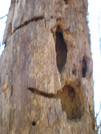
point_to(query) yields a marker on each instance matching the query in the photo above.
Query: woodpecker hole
(84, 67)
(61, 50)
(66, 1)
(33, 123)
(74, 71)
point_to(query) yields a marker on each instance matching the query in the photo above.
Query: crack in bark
(71, 102)
(27, 22)
(36, 91)
(37, 18)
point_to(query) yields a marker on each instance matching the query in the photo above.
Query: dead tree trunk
(46, 83)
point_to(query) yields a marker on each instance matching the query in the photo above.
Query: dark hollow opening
(74, 72)
(71, 91)
(33, 123)
(84, 67)
(66, 1)
(71, 102)
(61, 50)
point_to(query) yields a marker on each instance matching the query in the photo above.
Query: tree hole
(84, 67)
(74, 71)
(66, 1)
(71, 102)
(33, 123)
(61, 50)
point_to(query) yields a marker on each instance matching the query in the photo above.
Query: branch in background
(98, 127)
(3, 16)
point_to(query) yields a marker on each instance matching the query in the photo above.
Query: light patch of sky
(4, 8)
(93, 10)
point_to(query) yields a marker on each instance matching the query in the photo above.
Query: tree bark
(46, 83)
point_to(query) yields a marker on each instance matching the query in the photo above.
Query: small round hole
(33, 123)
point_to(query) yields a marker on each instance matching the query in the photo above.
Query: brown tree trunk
(46, 84)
